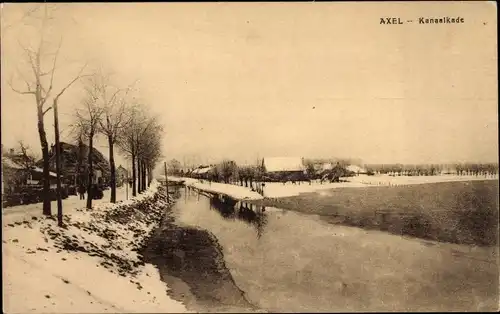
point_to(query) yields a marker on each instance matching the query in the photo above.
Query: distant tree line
(434, 169)
(228, 171)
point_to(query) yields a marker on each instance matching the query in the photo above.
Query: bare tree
(174, 167)
(227, 170)
(152, 152)
(114, 118)
(140, 140)
(128, 141)
(149, 149)
(27, 159)
(87, 124)
(40, 85)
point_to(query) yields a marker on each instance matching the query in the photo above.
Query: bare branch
(52, 71)
(79, 76)
(29, 53)
(27, 159)
(46, 110)
(27, 92)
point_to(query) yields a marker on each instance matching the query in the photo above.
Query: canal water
(222, 255)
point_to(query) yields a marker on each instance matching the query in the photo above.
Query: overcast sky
(247, 80)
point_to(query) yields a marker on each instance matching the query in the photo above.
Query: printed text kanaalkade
(441, 20)
(423, 20)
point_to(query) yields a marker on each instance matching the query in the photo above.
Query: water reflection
(231, 209)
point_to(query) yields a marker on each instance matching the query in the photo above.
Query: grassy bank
(456, 212)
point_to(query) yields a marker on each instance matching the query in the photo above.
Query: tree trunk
(58, 166)
(134, 176)
(144, 178)
(91, 172)
(149, 176)
(46, 173)
(141, 164)
(139, 176)
(113, 169)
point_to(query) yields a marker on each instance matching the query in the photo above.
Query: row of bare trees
(434, 169)
(109, 111)
(227, 171)
(106, 110)
(140, 140)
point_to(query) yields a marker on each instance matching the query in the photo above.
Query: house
(203, 172)
(121, 175)
(448, 170)
(74, 165)
(282, 168)
(321, 167)
(16, 174)
(356, 169)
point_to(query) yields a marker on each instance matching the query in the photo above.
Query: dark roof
(70, 155)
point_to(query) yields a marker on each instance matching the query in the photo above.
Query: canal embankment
(191, 261)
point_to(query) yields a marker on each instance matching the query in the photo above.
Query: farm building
(356, 169)
(283, 168)
(202, 172)
(74, 164)
(121, 175)
(322, 167)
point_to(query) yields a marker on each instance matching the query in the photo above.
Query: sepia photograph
(251, 157)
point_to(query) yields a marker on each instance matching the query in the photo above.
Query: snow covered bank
(406, 180)
(90, 265)
(234, 191)
(277, 189)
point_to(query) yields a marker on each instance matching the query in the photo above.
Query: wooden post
(126, 185)
(166, 179)
(58, 166)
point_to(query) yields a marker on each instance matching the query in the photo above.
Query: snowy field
(405, 180)
(41, 277)
(276, 189)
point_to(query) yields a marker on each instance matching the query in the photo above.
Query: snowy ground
(276, 189)
(405, 180)
(88, 267)
(234, 191)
